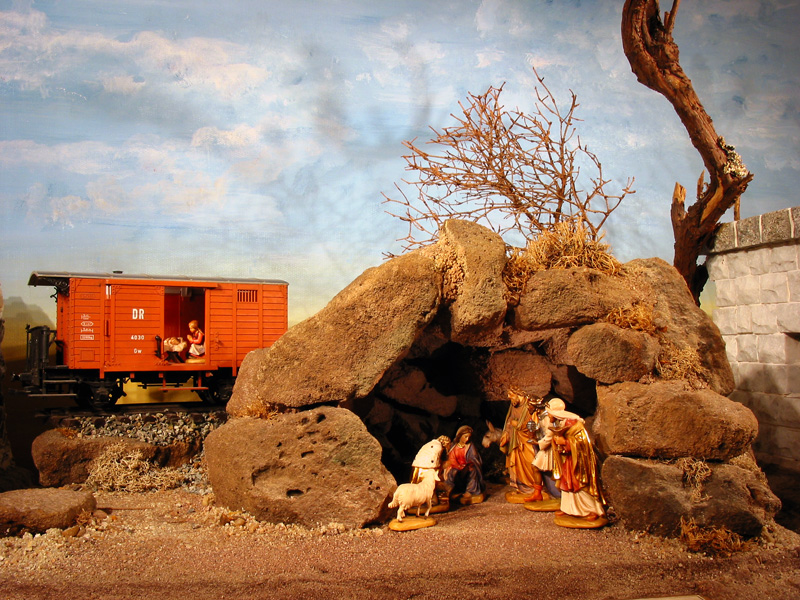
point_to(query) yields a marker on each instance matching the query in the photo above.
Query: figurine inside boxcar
(113, 328)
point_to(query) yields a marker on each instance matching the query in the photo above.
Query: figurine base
(443, 506)
(471, 499)
(549, 505)
(580, 522)
(517, 497)
(410, 523)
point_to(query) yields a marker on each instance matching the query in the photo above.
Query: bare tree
(653, 56)
(510, 171)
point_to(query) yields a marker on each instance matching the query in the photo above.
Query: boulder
(681, 323)
(313, 467)
(472, 258)
(528, 371)
(569, 297)
(669, 420)
(343, 351)
(63, 458)
(652, 496)
(40, 509)
(610, 354)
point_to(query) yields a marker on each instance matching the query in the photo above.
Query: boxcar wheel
(97, 395)
(218, 392)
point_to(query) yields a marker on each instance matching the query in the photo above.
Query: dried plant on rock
(119, 468)
(507, 170)
(566, 246)
(713, 541)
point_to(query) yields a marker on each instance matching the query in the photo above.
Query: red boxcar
(113, 328)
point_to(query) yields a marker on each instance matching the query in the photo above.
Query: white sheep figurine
(409, 495)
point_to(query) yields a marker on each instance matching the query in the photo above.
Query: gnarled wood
(654, 59)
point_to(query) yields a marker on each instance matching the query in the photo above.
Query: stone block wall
(755, 266)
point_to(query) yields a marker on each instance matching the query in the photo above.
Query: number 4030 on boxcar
(168, 332)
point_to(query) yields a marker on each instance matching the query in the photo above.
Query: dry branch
(508, 170)
(653, 56)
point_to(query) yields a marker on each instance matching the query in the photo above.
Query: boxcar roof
(52, 278)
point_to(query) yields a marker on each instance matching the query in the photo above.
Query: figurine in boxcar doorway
(197, 348)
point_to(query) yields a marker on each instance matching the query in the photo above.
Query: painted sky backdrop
(253, 138)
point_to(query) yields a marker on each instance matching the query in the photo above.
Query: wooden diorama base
(550, 505)
(579, 522)
(411, 522)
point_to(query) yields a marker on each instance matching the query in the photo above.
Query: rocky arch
(427, 341)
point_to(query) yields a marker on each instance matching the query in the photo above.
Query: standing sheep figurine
(409, 495)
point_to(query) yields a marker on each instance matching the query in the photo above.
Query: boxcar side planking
(113, 328)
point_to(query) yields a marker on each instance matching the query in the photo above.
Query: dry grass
(119, 468)
(713, 541)
(566, 246)
(570, 245)
(638, 316)
(681, 363)
(695, 474)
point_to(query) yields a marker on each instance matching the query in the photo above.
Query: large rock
(610, 354)
(38, 510)
(62, 458)
(472, 258)
(343, 351)
(652, 496)
(669, 420)
(516, 368)
(314, 467)
(569, 297)
(681, 323)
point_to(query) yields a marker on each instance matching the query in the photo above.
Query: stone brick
(764, 317)
(788, 317)
(774, 288)
(726, 292)
(739, 265)
(784, 258)
(795, 212)
(744, 319)
(773, 408)
(759, 260)
(748, 290)
(747, 348)
(748, 232)
(772, 348)
(776, 226)
(725, 238)
(718, 266)
(768, 379)
(725, 319)
(778, 441)
(731, 346)
(793, 281)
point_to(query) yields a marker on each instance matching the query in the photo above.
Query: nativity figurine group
(549, 458)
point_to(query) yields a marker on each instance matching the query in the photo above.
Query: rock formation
(428, 341)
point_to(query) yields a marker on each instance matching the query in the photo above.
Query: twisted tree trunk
(653, 56)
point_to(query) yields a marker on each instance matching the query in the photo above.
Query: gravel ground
(169, 544)
(178, 543)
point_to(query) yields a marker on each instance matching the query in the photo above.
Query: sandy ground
(175, 544)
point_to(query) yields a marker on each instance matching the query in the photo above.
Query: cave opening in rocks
(441, 385)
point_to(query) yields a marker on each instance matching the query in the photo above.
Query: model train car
(114, 328)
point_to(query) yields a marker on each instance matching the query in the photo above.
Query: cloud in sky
(257, 140)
